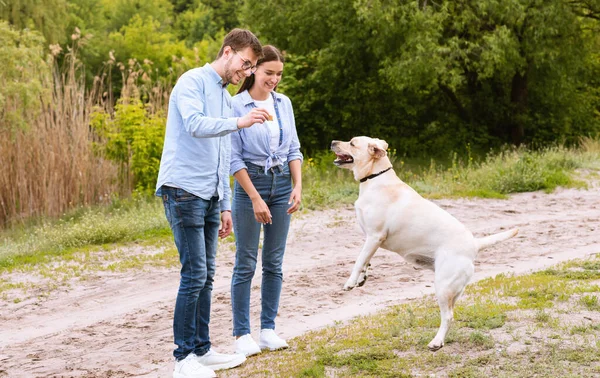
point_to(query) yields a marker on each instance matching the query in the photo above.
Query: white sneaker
(220, 361)
(246, 345)
(189, 367)
(270, 340)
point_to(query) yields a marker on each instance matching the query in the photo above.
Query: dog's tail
(496, 238)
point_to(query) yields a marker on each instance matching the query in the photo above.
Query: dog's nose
(334, 142)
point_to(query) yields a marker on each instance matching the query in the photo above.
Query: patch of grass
(498, 174)
(91, 262)
(140, 219)
(542, 316)
(483, 314)
(511, 170)
(481, 340)
(590, 302)
(495, 334)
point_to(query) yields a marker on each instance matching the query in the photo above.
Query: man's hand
(256, 115)
(226, 224)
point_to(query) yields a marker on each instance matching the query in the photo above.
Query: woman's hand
(295, 200)
(262, 214)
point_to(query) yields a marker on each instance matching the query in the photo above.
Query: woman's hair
(270, 54)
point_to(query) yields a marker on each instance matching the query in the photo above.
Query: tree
(518, 68)
(23, 75)
(434, 76)
(331, 73)
(45, 16)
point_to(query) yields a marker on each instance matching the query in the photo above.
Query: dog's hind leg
(452, 274)
(359, 272)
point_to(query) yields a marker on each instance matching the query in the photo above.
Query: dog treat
(270, 118)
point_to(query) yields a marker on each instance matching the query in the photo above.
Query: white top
(272, 125)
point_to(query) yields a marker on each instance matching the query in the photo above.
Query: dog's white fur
(395, 217)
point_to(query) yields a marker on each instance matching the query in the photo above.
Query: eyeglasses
(247, 65)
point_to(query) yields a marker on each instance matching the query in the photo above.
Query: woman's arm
(296, 196)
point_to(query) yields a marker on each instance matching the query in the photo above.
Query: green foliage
(46, 16)
(134, 139)
(142, 39)
(331, 73)
(24, 74)
(431, 76)
(195, 24)
(518, 70)
(225, 12)
(119, 13)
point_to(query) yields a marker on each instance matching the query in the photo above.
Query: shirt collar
(214, 75)
(247, 99)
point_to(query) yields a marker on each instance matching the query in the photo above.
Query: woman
(265, 162)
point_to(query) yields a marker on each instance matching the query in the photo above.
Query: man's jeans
(274, 188)
(195, 224)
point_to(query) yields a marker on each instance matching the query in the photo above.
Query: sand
(119, 324)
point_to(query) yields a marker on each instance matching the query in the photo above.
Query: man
(193, 182)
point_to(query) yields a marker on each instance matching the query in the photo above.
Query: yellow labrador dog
(395, 217)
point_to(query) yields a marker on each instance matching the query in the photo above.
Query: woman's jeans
(195, 224)
(275, 188)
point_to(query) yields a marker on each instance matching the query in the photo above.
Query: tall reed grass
(52, 158)
(49, 165)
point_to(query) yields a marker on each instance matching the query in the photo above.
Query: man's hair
(239, 39)
(269, 54)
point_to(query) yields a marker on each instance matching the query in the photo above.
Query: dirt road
(119, 325)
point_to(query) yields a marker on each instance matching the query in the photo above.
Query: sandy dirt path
(119, 325)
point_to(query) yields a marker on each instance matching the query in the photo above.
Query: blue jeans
(195, 224)
(274, 188)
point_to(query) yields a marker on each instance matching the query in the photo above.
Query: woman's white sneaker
(220, 361)
(189, 367)
(270, 340)
(246, 345)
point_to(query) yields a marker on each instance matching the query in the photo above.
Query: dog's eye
(351, 143)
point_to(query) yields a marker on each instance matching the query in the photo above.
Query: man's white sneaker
(270, 340)
(246, 345)
(220, 361)
(189, 367)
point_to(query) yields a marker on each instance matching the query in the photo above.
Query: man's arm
(190, 100)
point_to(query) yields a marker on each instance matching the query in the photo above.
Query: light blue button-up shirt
(197, 149)
(252, 144)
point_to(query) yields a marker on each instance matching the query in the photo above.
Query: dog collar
(374, 175)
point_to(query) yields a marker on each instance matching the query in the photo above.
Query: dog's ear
(376, 151)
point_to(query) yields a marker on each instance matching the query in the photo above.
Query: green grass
(128, 221)
(512, 170)
(495, 334)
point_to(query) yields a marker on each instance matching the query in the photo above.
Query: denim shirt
(252, 144)
(197, 148)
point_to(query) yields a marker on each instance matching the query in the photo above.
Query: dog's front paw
(350, 284)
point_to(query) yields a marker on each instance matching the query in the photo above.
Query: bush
(133, 138)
